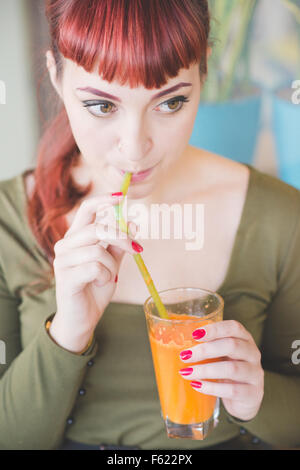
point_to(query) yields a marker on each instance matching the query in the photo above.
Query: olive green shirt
(109, 395)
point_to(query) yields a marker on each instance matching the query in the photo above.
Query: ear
(51, 66)
(208, 52)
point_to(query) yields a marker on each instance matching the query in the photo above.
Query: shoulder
(8, 188)
(20, 183)
(223, 176)
(221, 182)
(11, 202)
(6, 184)
(270, 207)
(217, 172)
(272, 191)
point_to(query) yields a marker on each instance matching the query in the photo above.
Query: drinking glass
(186, 412)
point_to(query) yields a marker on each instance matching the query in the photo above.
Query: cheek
(90, 135)
(177, 134)
(185, 130)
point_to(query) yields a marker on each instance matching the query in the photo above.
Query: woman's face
(131, 129)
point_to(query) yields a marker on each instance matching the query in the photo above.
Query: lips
(139, 172)
(139, 176)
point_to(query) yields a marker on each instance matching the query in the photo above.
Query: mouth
(140, 175)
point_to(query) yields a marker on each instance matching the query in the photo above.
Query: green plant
(229, 62)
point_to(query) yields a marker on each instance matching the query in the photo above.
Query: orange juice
(180, 403)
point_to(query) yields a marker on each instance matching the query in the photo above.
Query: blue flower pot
(230, 128)
(286, 129)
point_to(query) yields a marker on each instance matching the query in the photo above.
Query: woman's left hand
(240, 377)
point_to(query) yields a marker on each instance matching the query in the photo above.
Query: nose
(134, 144)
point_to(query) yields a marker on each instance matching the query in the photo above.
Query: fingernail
(137, 247)
(120, 193)
(196, 384)
(116, 278)
(132, 228)
(186, 371)
(199, 333)
(186, 354)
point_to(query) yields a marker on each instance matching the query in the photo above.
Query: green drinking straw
(137, 257)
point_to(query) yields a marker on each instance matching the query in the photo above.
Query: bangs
(134, 42)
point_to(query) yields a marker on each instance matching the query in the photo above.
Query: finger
(132, 227)
(233, 348)
(87, 210)
(239, 371)
(104, 244)
(87, 254)
(232, 391)
(86, 236)
(116, 237)
(79, 276)
(106, 215)
(221, 329)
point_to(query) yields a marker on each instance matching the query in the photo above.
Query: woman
(129, 78)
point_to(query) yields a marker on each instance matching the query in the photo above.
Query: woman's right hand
(85, 272)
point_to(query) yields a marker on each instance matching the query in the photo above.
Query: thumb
(132, 227)
(117, 252)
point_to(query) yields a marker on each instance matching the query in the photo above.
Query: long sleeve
(38, 385)
(278, 420)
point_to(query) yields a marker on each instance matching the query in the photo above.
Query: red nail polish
(120, 193)
(137, 247)
(186, 371)
(187, 354)
(196, 384)
(197, 334)
(116, 278)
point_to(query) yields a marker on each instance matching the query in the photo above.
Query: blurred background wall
(29, 100)
(29, 95)
(18, 115)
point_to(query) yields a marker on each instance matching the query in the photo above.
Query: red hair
(135, 42)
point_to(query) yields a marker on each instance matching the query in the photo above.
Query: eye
(95, 107)
(105, 108)
(172, 105)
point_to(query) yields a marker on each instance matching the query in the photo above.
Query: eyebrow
(94, 91)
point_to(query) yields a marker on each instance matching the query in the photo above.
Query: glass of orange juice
(186, 412)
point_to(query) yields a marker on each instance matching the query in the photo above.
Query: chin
(140, 190)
